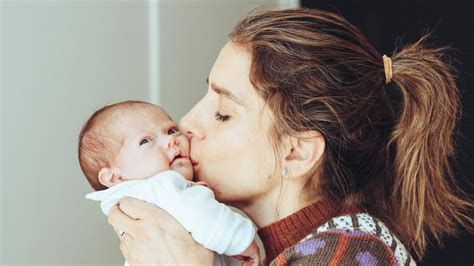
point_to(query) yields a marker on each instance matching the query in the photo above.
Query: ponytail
(425, 199)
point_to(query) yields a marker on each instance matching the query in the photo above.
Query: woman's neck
(278, 204)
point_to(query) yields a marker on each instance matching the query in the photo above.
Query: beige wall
(60, 61)
(191, 36)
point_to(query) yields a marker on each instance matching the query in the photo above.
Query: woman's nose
(190, 125)
(186, 127)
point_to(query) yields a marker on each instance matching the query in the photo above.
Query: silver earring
(284, 171)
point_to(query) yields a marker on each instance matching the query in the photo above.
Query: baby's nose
(173, 142)
(173, 150)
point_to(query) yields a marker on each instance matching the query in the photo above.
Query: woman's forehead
(231, 72)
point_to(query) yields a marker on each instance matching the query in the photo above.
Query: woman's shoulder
(348, 239)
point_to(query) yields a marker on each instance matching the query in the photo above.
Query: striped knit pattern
(358, 239)
(288, 231)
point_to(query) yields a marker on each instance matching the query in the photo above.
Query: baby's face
(151, 143)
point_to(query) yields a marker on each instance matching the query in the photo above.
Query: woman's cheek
(232, 167)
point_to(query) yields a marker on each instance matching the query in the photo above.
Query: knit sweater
(323, 235)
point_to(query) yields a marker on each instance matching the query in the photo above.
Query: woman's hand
(152, 236)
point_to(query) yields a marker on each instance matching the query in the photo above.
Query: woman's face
(230, 129)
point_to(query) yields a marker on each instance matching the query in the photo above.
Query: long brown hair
(317, 71)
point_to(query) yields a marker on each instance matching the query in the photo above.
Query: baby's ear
(110, 177)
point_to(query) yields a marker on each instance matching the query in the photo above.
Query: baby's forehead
(135, 112)
(153, 112)
(124, 119)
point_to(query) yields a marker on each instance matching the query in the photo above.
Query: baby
(134, 149)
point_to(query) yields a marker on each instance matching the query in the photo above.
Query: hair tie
(387, 67)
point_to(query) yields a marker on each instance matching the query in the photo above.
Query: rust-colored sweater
(324, 234)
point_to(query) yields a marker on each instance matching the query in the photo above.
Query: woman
(297, 130)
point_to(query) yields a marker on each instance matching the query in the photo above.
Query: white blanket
(211, 223)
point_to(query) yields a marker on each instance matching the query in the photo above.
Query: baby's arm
(211, 223)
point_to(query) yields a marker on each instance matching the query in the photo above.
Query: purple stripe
(310, 247)
(366, 258)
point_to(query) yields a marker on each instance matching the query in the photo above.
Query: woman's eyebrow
(226, 93)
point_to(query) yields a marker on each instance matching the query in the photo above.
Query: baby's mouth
(179, 157)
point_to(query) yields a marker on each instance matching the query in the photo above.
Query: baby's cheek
(153, 165)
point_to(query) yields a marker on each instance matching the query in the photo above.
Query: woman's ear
(306, 149)
(109, 177)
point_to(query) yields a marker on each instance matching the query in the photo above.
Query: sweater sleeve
(338, 247)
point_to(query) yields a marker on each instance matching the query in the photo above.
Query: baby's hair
(95, 147)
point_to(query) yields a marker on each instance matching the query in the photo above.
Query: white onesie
(211, 223)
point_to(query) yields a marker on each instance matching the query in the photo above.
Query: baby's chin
(184, 167)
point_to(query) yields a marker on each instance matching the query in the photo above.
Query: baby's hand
(250, 256)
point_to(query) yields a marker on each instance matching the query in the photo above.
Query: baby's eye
(173, 130)
(144, 141)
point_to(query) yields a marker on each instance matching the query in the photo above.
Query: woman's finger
(122, 222)
(124, 243)
(135, 208)
(126, 247)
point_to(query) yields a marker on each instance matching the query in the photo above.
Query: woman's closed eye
(221, 117)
